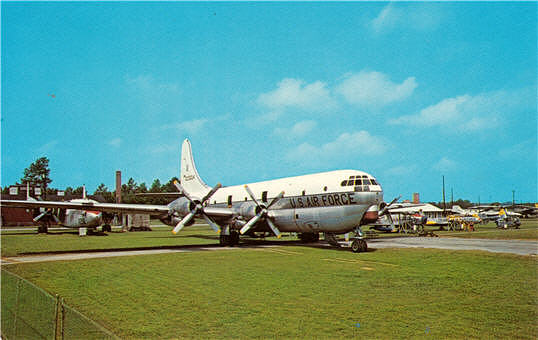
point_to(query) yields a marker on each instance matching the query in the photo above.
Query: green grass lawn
(17, 243)
(301, 292)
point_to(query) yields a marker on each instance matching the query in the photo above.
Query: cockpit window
(358, 180)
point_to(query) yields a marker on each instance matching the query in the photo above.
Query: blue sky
(408, 92)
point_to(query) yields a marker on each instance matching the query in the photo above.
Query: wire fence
(29, 312)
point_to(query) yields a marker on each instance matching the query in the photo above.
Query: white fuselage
(334, 202)
(75, 218)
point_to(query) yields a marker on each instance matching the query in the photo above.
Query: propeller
(385, 210)
(198, 208)
(46, 213)
(262, 213)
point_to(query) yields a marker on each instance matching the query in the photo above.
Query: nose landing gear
(359, 246)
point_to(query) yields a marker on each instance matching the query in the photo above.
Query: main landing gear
(230, 240)
(309, 237)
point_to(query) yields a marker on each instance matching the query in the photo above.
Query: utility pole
(513, 198)
(444, 202)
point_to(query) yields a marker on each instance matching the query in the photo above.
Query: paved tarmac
(518, 247)
(496, 246)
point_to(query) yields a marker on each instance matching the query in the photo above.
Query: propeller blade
(211, 192)
(56, 219)
(213, 225)
(182, 223)
(276, 199)
(181, 190)
(251, 195)
(40, 216)
(386, 208)
(273, 228)
(249, 224)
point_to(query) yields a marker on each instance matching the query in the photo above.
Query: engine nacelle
(248, 210)
(180, 207)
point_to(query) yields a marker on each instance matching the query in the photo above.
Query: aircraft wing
(107, 207)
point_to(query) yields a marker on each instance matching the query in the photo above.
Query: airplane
(335, 202)
(70, 218)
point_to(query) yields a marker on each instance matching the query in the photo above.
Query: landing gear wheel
(359, 246)
(309, 237)
(233, 238)
(107, 227)
(43, 228)
(224, 240)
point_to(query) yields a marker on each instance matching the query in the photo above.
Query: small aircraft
(70, 218)
(335, 202)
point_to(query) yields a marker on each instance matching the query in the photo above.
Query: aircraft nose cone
(93, 219)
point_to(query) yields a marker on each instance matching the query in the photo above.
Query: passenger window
(264, 197)
(365, 181)
(373, 181)
(358, 182)
(325, 188)
(229, 200)
(344, 183)
(304, 192)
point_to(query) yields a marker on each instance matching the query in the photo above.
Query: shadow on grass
(245, 243)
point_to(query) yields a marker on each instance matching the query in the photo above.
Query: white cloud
(525, 150)
(347, 144)
(387, 18)
(115, 142)
(296, 93)
(300, 129)
(374, 89)
(148, 84)
(47, 147)
(415, 16)
(190, 127)
(466, 112)
(445, 164)
(401, 170)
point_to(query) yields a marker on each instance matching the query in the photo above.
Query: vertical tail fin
(190, 180)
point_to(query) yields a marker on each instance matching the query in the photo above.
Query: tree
(156, 186)
(38, 174)
(103, 192)
(170, 187)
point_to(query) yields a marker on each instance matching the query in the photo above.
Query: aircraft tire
(359, 246)
(309, 237)
(355, 246)
(233, 238)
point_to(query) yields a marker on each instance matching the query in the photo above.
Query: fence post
(57, 319)
(19, 283)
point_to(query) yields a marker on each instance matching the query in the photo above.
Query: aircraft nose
(93, 218)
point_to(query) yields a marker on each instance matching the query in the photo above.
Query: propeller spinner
(197, 208)
(262, 213)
